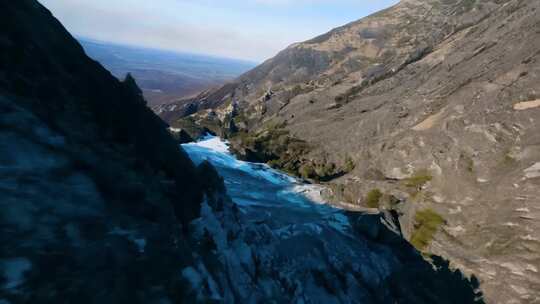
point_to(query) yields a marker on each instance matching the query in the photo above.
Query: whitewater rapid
(216, 151)
(262, 190)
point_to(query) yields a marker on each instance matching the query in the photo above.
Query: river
(266, 193)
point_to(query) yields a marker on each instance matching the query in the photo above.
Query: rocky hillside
(99, 205)
(429, 108)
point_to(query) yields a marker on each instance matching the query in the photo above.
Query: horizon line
(166, 50)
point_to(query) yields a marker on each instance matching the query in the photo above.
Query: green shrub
(373, 198)
(508, 159)
(307, 171)
(325, 170)
(349, 165)
(426, 224)
(418, 180)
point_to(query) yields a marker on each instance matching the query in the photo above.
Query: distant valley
(165, 76)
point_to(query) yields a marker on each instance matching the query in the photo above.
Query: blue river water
(266, 192)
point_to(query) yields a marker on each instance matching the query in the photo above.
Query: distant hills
(165, 76)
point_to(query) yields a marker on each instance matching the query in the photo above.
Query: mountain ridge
(366, 56)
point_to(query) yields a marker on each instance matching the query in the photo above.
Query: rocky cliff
(429, 108)
(94, 192)
(99, 205)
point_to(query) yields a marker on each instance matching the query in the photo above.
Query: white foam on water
(216, 151)
(287, 188)
(213, 143)
(312, 192)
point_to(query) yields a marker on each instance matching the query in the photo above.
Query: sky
(244, 29)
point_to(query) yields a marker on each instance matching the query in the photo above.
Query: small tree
(131, 85)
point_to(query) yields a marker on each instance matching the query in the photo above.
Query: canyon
(428, 109)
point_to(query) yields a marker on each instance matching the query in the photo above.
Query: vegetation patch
(307, 171)
(349, 165)
(322, 171)
(418, 179)
(196, 129)
(240, 120)
(508, 159)
(274, 145)
(373, 198)
(426, 224)
(345, 193)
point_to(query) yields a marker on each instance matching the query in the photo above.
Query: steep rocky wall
(95, 197)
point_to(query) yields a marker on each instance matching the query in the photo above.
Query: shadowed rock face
(95, 196)
(436, 104)
(99, 205)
